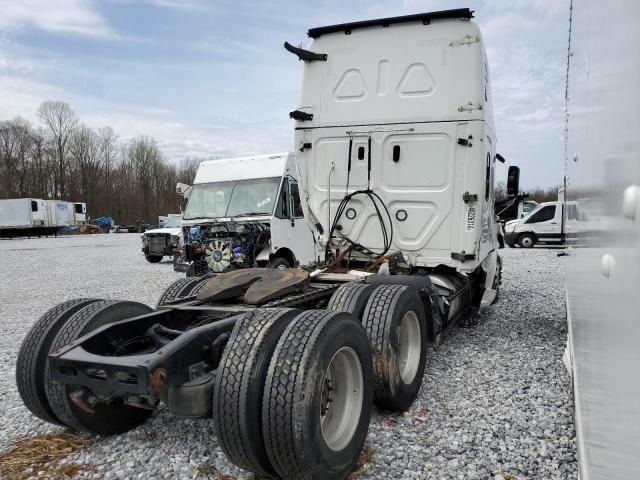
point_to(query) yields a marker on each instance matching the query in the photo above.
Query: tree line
(62, 158)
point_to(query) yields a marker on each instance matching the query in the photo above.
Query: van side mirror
(513, 180)
(181, 188)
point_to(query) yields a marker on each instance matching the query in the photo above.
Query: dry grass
(363, 462)
(40, 456)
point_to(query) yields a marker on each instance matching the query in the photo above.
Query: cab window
(283, 206)
(295, 198)
(543, 215)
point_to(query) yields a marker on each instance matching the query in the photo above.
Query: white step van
(245, 212)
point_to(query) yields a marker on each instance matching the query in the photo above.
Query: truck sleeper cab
(295, 358)
(396, 145)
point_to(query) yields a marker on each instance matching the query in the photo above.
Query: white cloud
(65, 16)
(188, 4)
(20, 96)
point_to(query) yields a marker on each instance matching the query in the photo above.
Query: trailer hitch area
(255, 285)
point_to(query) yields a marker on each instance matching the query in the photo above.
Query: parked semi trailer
(603, 279)
(396, 150)
(34, 216)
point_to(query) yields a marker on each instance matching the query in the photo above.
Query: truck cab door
(288, 227)
(554, 225)
(281, 220)
(303, 245)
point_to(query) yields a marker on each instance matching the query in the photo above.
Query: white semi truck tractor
(395, 150)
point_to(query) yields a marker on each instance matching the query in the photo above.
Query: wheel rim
(409, 347)
(341, 398)
(526, 242)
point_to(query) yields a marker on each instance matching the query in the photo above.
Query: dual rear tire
(50, 401)
(293, 395)
(294, 390)
(395, 321)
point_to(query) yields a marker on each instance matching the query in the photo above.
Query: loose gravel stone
(495, 402)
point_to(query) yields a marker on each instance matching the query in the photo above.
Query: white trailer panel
(23, 213)
(59, 214)
(603, 177)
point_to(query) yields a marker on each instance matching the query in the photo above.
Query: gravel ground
(496, 399)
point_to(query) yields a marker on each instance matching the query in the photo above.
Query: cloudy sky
(210, 78)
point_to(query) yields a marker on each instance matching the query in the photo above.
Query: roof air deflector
(460, 13)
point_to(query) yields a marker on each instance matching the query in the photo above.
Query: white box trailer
(59, 214)
(21, 213)
(34, 216)
(24, 216)
(603, 267)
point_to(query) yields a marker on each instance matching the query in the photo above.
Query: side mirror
(181, 188)
(513, 180)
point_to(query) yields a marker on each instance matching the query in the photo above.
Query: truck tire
(278, 263)
(108, 418)
(237, 393)
(526, 240)
(317, 397)
(178, 289)
(351, 297)
(395, 322)
(153, 258)
(33, 356)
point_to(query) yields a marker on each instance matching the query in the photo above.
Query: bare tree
(61, 121)
(108, 149)
(188, 169)
(8, 161)
(500, 191)
(22, 134)
(40, 167)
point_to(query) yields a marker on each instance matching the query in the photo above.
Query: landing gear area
(287, 365)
